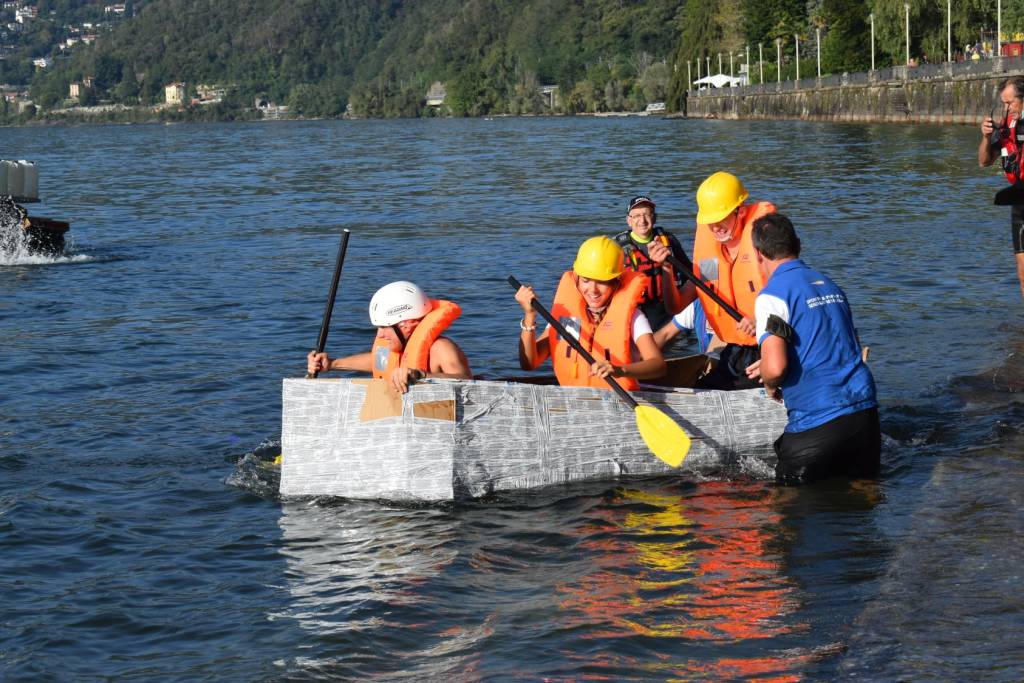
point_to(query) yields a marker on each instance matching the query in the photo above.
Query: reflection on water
(689, 581)
(704, 570)
(356, 573)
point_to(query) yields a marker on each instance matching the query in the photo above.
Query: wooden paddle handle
(574, 343)
(702, 286)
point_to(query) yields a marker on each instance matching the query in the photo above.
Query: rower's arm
(651, 365)
(987, 152)
(360, 362)
(321, 362)
(447, 361)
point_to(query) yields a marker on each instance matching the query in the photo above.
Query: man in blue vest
(811, 358)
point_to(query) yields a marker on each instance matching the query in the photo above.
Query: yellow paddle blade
(663, 436)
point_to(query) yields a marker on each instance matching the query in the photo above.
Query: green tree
(700, 37)
(847, 45)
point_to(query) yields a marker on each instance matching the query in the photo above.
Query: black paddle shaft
(574, 343)
(702, 286)
(321, 343)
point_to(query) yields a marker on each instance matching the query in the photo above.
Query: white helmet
(398, 301)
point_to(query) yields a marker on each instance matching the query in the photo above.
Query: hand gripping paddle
(663, 436)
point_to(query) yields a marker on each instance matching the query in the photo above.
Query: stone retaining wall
(958, 99)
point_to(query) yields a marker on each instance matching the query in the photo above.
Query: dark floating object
(19, 232)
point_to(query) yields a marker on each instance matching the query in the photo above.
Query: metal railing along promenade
(924, 72)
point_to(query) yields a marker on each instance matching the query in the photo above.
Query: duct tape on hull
(448, 440)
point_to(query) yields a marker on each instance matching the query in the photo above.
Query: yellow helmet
(718, 196)
(599, 258)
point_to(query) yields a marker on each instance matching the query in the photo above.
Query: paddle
(663, 436)
(702, 286)
(325, 326)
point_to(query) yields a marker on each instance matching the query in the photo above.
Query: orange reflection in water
(698, 568)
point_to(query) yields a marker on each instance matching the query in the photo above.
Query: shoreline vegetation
(124, 115)
(145, 61)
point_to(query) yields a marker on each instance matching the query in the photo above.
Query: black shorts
(731, 370)
(1017, 227)
(848, 446)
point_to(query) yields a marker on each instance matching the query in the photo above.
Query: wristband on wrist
(526, 328)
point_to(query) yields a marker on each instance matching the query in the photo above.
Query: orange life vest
(738, 282)
(642, 263)
(416, 353)
(610, 340)
(1012, 142)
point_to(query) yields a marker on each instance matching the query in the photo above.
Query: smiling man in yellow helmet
(598, 302)
(725, 258)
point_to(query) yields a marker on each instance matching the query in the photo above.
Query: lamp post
(906, 8)
(730, 66)
(760, 61)
(999, 28)
(796, 37)
(949, 30)
(719, 62)
(748, 65)
(817, 33)
(708, 65)
(689, 77)
(872, 18)
(778, 57)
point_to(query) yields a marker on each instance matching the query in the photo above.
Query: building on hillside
(114, 9)
(174, 93)
(75, 90)
(10, 5)
(269, 109)
(550, 95)
(89, 38)
(210, 94)
(43, 62)
(11, 93)
(436, 94)
(24, 14)
(655, 108)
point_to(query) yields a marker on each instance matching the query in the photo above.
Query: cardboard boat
(451, 440)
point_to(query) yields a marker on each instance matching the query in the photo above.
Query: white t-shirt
(641, 326)
(686, 319)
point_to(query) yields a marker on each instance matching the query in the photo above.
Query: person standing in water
(811, 359)
(1004, 140)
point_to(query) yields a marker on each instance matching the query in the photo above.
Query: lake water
(138, 368)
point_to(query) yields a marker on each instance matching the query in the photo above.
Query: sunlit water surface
(138, 367)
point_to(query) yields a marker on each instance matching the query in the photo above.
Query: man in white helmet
(409, 346)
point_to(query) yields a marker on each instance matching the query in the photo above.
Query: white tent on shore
(719, 81)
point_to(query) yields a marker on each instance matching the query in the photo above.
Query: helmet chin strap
(398, 333)
(597, 314)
